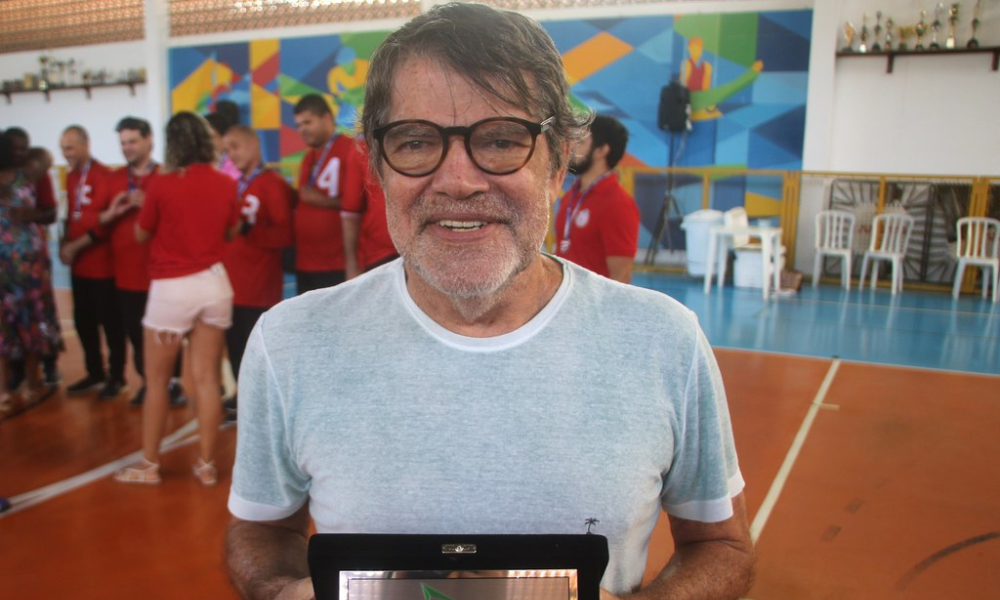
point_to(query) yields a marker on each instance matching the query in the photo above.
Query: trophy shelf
(87, 88)
(890, 57)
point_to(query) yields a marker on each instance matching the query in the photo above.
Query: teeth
(462, 225)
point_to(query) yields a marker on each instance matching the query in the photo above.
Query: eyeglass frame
(535, 129)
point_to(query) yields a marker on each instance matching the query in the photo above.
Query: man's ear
(602, 151)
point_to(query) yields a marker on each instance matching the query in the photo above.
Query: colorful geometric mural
(265, 78)
(747, 72)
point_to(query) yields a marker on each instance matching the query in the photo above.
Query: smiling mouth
(462, 225)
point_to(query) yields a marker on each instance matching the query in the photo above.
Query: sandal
(206, 473)
(146, 474)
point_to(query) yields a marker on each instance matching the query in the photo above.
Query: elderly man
(476, 385)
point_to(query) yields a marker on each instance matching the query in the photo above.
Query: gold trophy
(973, 42)
(921, 30)
(848, 37)
(905, 32)
(877, 46)
(863, 46)
(888, 34)
(952, 21)
(936, 26)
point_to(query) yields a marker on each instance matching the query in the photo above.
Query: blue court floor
(915, 329)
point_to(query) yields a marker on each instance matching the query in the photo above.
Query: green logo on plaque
(430, 593)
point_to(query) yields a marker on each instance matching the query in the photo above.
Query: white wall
(45, 120)
(934, 115)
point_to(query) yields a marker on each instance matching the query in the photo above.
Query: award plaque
(952, 21)
(973, 42)
(936, 26)
(877, 46)
(921, 30)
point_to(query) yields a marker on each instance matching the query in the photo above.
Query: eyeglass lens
(496, 146)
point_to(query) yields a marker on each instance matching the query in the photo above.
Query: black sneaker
(229, 417)
(139, 398)
(52, 376)
(176, 392)
(112, 389)
(85, 385)
(15, 374)
(229, 404)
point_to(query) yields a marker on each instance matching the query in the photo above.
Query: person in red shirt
(332, 172)
(597, 222)
(367, 243)
(188, 213)
(86, 249)
(131, 259)
(253, 259)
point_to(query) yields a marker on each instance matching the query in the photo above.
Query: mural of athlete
(696, 73)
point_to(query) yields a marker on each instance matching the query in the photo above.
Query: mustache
(490, 206)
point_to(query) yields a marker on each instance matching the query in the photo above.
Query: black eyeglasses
(498, 145)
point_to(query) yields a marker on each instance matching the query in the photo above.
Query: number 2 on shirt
(329, 179)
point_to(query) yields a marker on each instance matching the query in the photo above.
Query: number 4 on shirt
(329, 179)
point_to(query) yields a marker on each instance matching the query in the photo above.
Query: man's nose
(458, 176)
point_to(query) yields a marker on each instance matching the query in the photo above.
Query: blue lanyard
(133, 182)
(245, 181)
(574, 208)
(322, 159)
(80, 186)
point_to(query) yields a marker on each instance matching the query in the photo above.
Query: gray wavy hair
(507, 55)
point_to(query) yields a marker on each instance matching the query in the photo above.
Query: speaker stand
(669, 207)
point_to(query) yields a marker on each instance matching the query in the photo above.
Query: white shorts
(175, 305)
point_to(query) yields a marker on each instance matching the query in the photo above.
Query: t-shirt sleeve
(621, 233)
(704, 475)
(267, 483)
(149, 215)
(352, 181)
(46, 195)
(232, 192)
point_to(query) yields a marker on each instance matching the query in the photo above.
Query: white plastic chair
(834, 237)
(977, 246)
(890, 238)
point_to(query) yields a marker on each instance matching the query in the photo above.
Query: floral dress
(28, 322)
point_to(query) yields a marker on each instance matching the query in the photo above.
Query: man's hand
(301, 589)
(68, 252)
(120, 205)
(315, 197)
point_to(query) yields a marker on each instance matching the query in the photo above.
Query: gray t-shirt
(606, 405)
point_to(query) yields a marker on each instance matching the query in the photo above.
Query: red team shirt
(88, 194)
(131, 259)
(605, 222)
(188, 211)
(374, 243)
(253, 259)
(319, 239)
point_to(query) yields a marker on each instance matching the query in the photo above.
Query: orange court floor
(863, 482)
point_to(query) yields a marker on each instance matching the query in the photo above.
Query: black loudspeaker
(675, 103)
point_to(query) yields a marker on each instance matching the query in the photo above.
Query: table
(720, 240)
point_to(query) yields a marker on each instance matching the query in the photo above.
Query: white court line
(177, 439)
(793, 454)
